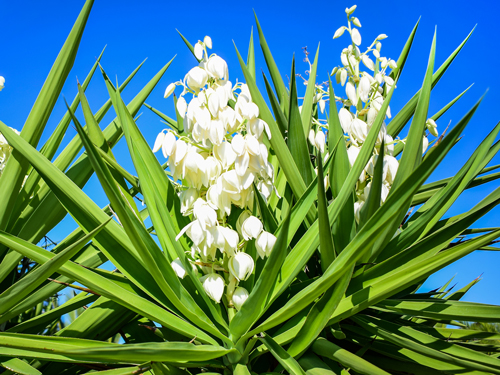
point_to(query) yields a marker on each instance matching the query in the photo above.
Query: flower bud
(213, 284)
(381, 37)
(364, 89)
(339, 32)
(432, 127)
(217, 67)
(350, 10)
(196, 78)
(368, 62)
(179, 269)
(322, 104)
(251, 228)
(2, 83)
(356, 36)
(265, 243)
(393, 64)
(208, 42)
(425, 144)
(170, 89)
(241, 266)
(240, 295)
(356, 22)
(378, 46)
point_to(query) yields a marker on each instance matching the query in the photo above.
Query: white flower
(368, 62)
(225, 239)
(356, 36)
(265, 243)
(241, 266)
(381, 36)
(179, 269)
(352, 154)
(432, 127)
(205, 214)
(240, 295)
(425, 144)
(339, 32)
(393, 64)
(321, 104)
(343, 76)
(213, 284)
(181, 106)
(225, 153)
(257, 126)
(350, 90)
(208, 42)
(392, 165)
(251, 228)
(168, 145)
(198, 50)
(345, 118)
(317, 140)
(187, 198)
(2, 83)
(217, 67)
(158, 142)
(170, 89)
(364, 89)
(359, 130)
(196, 78)
(357, 209)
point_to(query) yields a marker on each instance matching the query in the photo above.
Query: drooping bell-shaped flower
(179, 269)
(265, 243)
(158, 142)
(217, 67)
(350, 91)
(198, 50)
(240, 295)
(181, 106)
(392, 165)
(205, 214)
(425, 144)
(345, 118)
(208, 42)
(187, 198)
(352, 154)
(213, 284)
(251, 228)
(196, 78)
(364, 89)
(241, 266)
(169, 144)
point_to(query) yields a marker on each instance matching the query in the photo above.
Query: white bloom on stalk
(356, 36)
(318, 140)
(198, 50)
(208, 42)
(265, 243)
(350, 91)
(187, 198)
(158, 142)
(425, 144)
(339, 32)
(214, 285)
(179, 269)
(240, 295)
(196, 78)
(251, 228)
(226, 239)
(241, 266)
(217, 67)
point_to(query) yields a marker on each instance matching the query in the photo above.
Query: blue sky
(33, 32)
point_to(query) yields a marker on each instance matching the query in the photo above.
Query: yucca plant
(281, 239)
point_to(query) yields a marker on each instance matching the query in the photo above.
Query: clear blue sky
(34, 31)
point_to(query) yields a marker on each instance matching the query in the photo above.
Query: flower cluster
(220, 160)
(366, 89)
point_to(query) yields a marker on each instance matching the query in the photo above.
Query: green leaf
(285, 359)
(328, 349)
(297, 141)
(17, 292)
(279, 85)
(189, 45)
(14, 173)
(403, 56)
(255, 305)
(251, 56)
(18, 366)
(399, 121)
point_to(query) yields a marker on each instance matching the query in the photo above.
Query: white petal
(158, 142)
(356, 36)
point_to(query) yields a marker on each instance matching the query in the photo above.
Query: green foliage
(336, 295)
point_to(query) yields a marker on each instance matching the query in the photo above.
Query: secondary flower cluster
(366, 91)
(219, 159)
